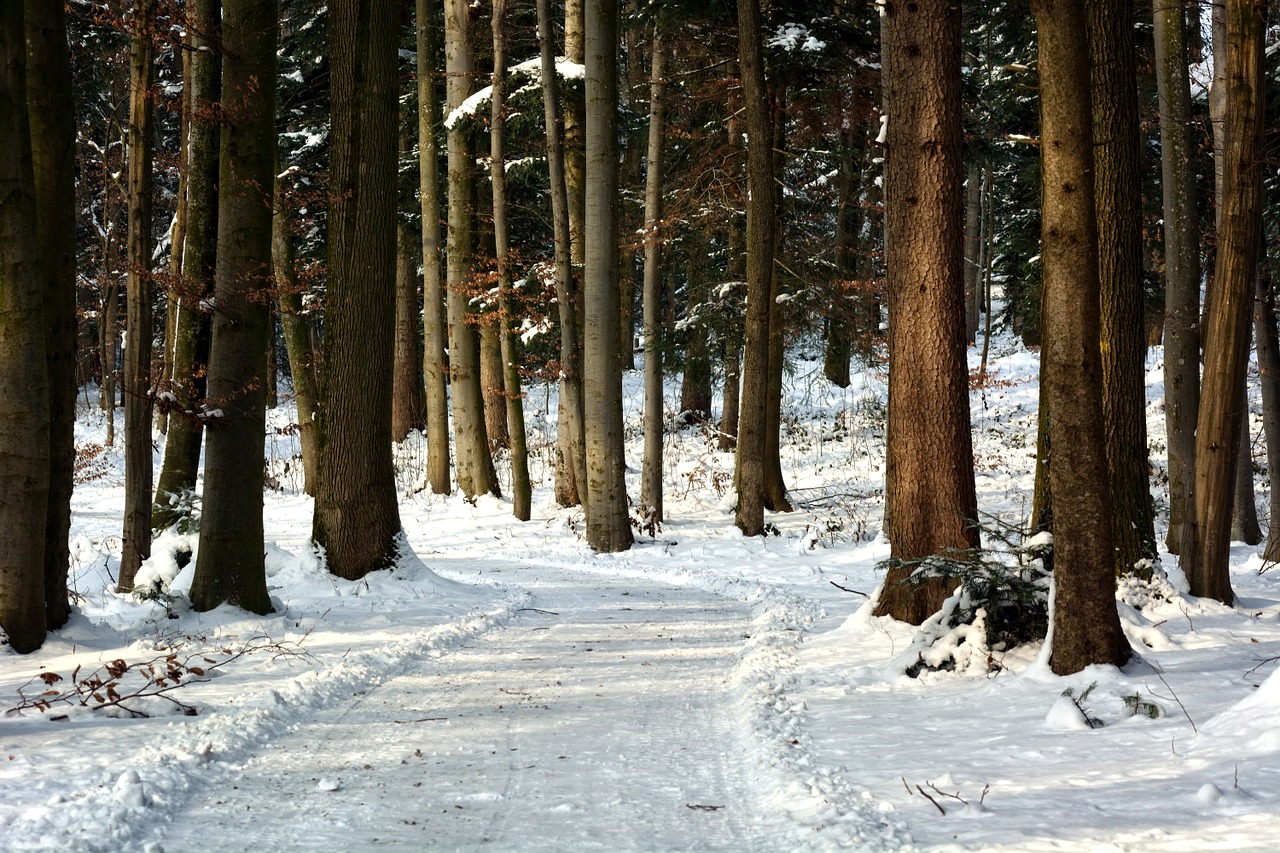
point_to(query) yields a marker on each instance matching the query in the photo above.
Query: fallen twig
(846, 589)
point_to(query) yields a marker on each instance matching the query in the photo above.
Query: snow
(502, 687)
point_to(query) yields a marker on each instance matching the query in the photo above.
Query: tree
(137, 354)
(190, 354)
(475, 463)
(651, 479)
(1268, 337)
(1181, 262)
(230, 566)
(1086, 626)
(24, 386)
(435, 370)
(521, 487)
(1118, 205)
(1226, 350)
(357, 519)
(608, 526)
(407, 381)
(932, 503)
(53, 149)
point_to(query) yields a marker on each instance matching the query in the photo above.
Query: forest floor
(504, 688)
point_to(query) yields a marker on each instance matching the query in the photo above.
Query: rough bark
(139, 288)
(932, 506)
(1086, 626)
(1268, 338)
(651, 475)
(53, 139)
(972, 251)
(230, 566)
(435, 370)
(24, 388)
(1181, 262)
(491, 383)
(407, 387)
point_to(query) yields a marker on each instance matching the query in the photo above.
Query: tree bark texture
(932, 504)
(299, 338)
(1244, 508)
(1086, 626)
(1118, 206)
(842, 314)
(435, 370)
(972, 250)
(608, 523)
(775, 487)
(491, 383)
(24, 385)
(1181, 262)
(651, 475)
(139, 288)
(230, 567)
(407, 388)
(695, 384)
(357, 518)
(53, 146)
(1226, 350)
(1268, 338)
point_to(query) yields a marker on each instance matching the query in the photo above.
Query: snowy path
(604, 719)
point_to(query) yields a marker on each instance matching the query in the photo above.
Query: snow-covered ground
(504, 688)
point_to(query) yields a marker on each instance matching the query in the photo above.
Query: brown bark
(651, 475)
(406, 394)
(299, 338)
(1269, 367)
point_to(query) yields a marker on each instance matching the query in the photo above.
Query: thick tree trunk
(230, 567)
(53, 144)
(651, 476)
(1086, 626)
(1226, 349)
(1118, 205)
(931, 501)
(357, 519)
(24, 386)
(139, 288)
(189, 357)
(1181, 262)
(434, 327)
(299, 338)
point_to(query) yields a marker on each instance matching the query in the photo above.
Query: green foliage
(1079, 700)
(1141, 707)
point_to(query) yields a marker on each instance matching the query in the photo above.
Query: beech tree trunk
(1086, 626)
(230, 566)
(651, 476)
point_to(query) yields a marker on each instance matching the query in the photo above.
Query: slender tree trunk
(632, 167)
(434, 328)
(775, 487)
(177, 240)
(1118, 205)
(139, 287)
(230, 566)
(298, 337)
(1181, 260)
(53, 145)
(110, 360)
(407, 390)
(695, 384)
(651, 477)
(491, 383)
(608, 525)
(1269, 367)
(1244, 509)
(931, 501)
(841, 316)
(24, 385)
(752, 420)
(972, 251)
(189, 357)
(357, 519)
(472, 445)
(1226, 349)
(521, 488)
(731, 344)
(1086, 626)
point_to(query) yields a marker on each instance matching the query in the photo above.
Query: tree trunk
(651, 477)
(972, 251)
(1226, 349)
(1086, 626)
(608, 524)
(491, 383)
(1244, 509)
(632, 167)
(1269, 367)
(24, 385)
(750, 458)
(931, 501)
(53, 145)
(177, 241)
(1118, 205)
(521, 488)
(1181, 261)
(841, 316)
(731, 344)
(299, 336)
(357, 519)
(406, 394)
(139, 287)
(230, 567)
(775, 487)
(175, 487)
(435, 369)
(474, 460)
(695, 384)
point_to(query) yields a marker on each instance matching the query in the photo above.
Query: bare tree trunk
(1244, 509)
(406, 395)
(1226, 337)
(434, 328)
(651, 477)
(298, 338)
(491, 383)
(1269, 367)
(137, 354)
(230, 566)
(695, 383)
(1086, 626)
(775, 487)
(972, 250)
(731, 344)
(177, 240)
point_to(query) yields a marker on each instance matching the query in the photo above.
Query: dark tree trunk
(1244, 509)
(299, 338)
(230, 566)
(775, 487)
(972, 251)
(651, 476)
(406, 394)
(491, 383)
(695, 384)
(931, 501)
(1086, 626)
(841, 316)
(1269, 367)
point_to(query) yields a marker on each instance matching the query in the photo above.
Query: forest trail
(601, 717)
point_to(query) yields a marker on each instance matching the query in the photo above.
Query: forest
(594, 265)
